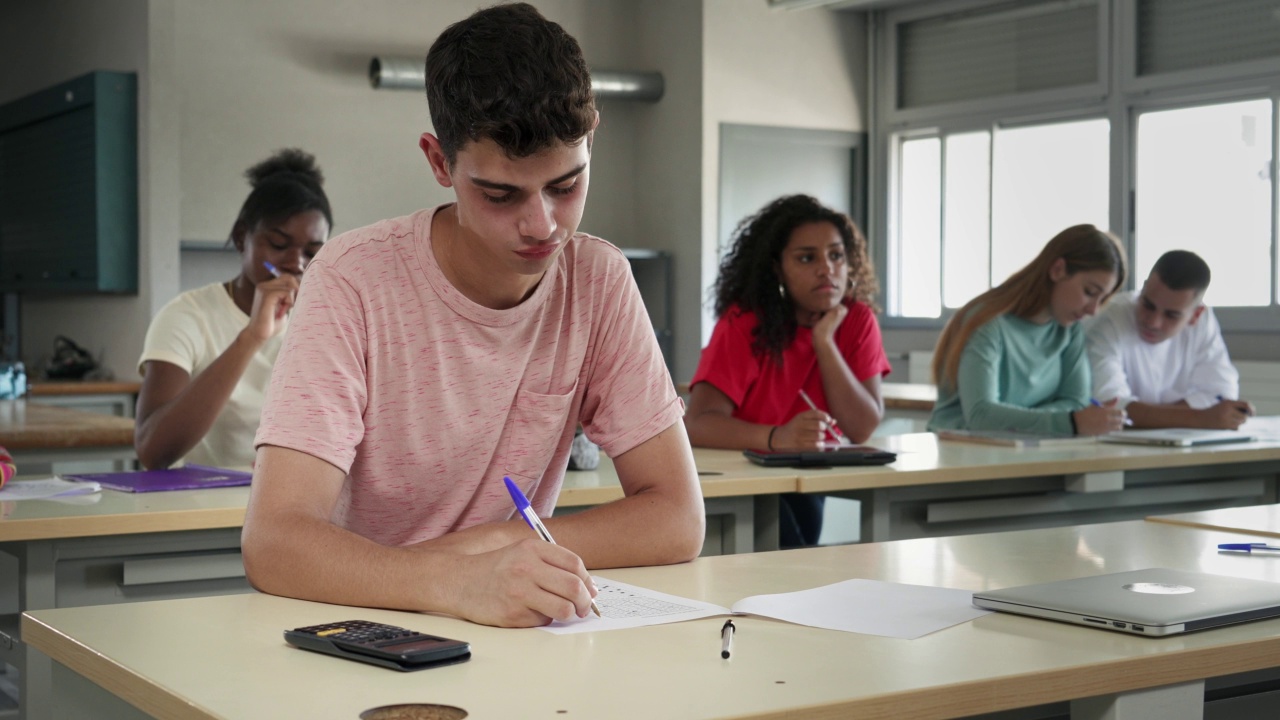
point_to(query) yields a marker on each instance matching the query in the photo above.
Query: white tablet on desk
(1150, 602)
(1177, 437)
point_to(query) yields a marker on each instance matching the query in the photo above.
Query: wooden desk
(118, 547)
(938, 488)
(113, 547)
(741, 498)
(38, 434)
(232, 662)
(918, 397)
(1260, 520)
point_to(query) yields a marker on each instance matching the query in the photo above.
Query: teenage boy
(431, 355)
(1161, 351)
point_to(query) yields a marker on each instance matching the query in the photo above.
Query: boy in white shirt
(1160, 351)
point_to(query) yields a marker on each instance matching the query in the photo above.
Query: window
(998, 123)
(986, 202)
(1203, 183)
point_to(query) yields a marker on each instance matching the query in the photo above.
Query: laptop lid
(190, 477)
(1177, 437)
(1151, 602)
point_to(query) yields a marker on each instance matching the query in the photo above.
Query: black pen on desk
(726, 638)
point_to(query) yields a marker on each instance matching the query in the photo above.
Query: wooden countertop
(78, 387)
(28, 426)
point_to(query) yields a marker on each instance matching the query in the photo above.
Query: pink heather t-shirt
(426, 399)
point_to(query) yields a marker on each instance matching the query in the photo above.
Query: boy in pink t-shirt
(431, 355)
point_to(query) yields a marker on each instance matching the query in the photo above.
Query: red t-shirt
(763, 391)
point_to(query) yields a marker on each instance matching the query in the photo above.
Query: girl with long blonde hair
(1014, 358)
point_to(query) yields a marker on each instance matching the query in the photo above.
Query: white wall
(764, 66)
(223, 84)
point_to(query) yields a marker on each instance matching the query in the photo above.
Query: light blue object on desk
(13, 381)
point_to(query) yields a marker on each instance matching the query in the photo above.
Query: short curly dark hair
(749, 273)
(508, 74)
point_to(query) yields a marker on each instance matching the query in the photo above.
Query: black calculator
(378, 644)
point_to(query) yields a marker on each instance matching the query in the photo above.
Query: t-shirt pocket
(534, 429)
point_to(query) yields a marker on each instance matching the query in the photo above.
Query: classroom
(958, 136)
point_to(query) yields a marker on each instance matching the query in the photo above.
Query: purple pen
(532, 520)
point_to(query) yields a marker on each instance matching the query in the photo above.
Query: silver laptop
(1151, 602)
(1177, 437)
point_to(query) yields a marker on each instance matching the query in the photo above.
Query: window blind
(1001, 50)
(1188, 34)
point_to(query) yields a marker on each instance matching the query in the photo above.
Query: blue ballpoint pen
(1094, 402)
(271, 269)
(1247, 547)
(532, 520)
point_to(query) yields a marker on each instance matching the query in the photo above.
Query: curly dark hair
(749, 273)
(508, 74)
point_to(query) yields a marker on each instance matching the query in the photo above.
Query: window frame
(1120, 95)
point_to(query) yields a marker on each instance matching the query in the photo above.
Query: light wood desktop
(938, 487)
(113, 547)
(1260, 520)
(43, 434)
(224, 657)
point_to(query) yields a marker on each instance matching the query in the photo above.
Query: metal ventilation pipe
(403, 73)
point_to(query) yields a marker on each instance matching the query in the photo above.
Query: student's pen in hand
(831, 430)
(1248, 547)
(726, 638)
(1128, 421)
(1246, 412)
(531, 518)
(271, 269)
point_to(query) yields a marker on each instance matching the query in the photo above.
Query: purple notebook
(190, 477)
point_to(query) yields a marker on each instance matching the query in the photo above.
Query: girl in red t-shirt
(796, 313)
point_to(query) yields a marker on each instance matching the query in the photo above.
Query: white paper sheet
(628, 606)
(1263, 427)
(870, 607)
(46, 488)
(862, 606)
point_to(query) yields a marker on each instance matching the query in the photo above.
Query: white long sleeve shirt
(1192, 365)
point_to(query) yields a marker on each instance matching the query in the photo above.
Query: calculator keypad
(360, 632)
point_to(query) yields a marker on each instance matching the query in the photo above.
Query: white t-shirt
(1192, 365)
(191, 332)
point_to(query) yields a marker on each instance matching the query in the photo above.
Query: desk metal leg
(737, 535)
(766, 525)
(35, 590)
(875, 521)
(1184, 701)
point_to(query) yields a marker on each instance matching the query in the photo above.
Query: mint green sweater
(1017, 375)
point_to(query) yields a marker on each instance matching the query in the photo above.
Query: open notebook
(190, 477)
